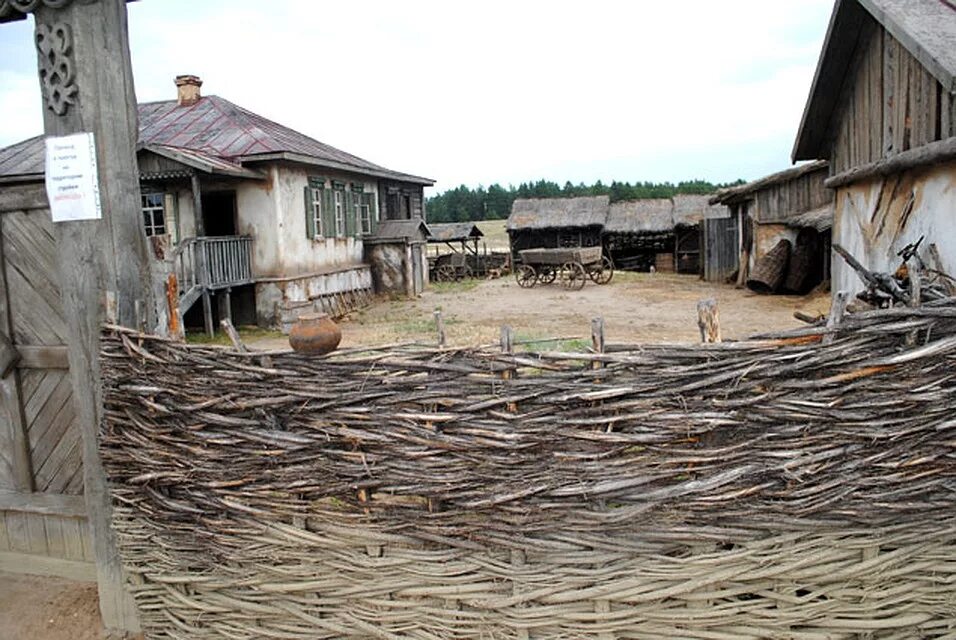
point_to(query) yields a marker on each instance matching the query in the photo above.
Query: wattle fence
(780, 487)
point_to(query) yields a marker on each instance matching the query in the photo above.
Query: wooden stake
(508, 348)
(597, 340)
(230, 330)
(837, 311)
(440, 327)
(708, 320)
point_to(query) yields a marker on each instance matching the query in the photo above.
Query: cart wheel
(445, 273)
(602, 272)
(463, 273)
(547, 275)
(573, 275)
(526, 276)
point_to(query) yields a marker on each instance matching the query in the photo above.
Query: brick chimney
(188, 90)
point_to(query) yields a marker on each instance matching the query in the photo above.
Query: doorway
(219, 213)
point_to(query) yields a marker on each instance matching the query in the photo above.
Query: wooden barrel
(770, 270)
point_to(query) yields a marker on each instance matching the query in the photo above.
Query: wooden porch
(207, 265)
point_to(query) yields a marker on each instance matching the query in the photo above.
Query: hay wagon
(573, 266)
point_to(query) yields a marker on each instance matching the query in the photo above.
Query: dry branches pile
(773, 487)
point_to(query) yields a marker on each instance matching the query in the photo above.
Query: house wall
(890, 103)
(766, 237)
(790, 198)
(875, 219)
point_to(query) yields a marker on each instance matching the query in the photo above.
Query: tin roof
(215, 130)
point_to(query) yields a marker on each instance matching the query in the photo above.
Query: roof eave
(199, 165)
(331, 164)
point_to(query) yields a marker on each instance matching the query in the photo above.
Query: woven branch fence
(799, 485)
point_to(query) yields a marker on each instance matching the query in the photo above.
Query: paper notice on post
(72, 183)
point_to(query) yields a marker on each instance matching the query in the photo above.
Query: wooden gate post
(87, 85)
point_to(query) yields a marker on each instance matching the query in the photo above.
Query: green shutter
(328, 213)
(309, 216)
(351, 224)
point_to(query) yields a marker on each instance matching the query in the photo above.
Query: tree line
(465, 204)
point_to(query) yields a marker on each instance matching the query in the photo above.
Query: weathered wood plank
(74, 530)
(23, 198)
(4, 539)
(33, 357)
(37, 533)
(16, 471)
(54, 536)
(43, 503)
(17, 531)
(24, 563)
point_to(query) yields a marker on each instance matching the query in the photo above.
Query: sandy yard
(44, 608)
(636, 307)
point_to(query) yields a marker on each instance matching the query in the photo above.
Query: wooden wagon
(571, 266)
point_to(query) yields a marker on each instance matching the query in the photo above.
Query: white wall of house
(301, 254)
(876, 218)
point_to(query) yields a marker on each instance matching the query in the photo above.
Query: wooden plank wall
(891, 103)
(791, 198)
(43, 523)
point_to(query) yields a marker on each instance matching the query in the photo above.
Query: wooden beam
(25, 563)
(44, 357)
(22, 198)
(929, 154)
(98, 260)
(44, 503)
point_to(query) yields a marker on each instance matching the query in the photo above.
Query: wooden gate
(43, 525)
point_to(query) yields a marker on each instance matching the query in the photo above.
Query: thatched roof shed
(548, 213)
(641, 216)
(742, 192)
(453, 231)
(690, 210)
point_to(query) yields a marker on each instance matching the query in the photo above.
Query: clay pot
(315, 334)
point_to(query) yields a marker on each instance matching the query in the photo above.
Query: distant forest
(465, 204)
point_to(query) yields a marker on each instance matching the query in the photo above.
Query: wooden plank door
(41, 455)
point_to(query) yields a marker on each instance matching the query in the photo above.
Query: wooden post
(87, 85)
(225, 305)
(508, 348)
(233, 335)
(197, 204)
(207, 313)
(708, 320)
(440, 327)
(597, 340)
(837, 311)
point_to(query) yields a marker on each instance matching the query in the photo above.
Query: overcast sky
(490, 91)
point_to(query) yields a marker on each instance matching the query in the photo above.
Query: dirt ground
(43, 608)
(636, 307)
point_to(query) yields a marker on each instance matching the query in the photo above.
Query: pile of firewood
(912, 284)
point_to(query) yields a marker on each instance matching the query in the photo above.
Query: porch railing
(213, 262)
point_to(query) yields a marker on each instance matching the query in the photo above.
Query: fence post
(440, 327)
(837, 310)
(597, 340)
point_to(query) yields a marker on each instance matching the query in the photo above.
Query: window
(363, 211)
(154, 214)
(339, 213)
(318, 228)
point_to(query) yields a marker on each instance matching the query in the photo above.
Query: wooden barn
(792, 207)
(662, 233)
(549, 223)
(882, 111)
